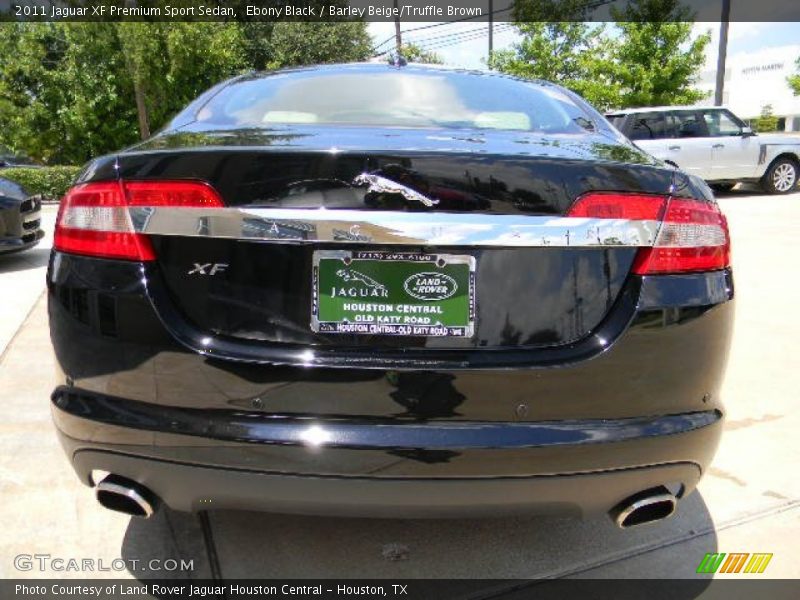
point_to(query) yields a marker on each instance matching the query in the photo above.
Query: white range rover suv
(714, 144)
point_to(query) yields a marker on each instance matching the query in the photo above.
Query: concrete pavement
(748, 502)
(22, 280)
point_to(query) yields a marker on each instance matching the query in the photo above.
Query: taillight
(609, 205)
(692, 236)
(93, 219)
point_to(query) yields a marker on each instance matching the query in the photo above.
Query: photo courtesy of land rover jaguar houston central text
(390, 290)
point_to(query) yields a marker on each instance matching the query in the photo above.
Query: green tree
(70, 91)
(794, 80)
(303, 43)
(140, 48)
(767, 121)
(59, 97)
(533, 11)
(650, 59)
(559, 45)
(416, 54)
(654, 60)
(168, 64)
(271, 45)
(573, 54)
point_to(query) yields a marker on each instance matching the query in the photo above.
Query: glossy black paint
(265, 296)
(577, 366)
(502, 172)
(111, 343)
(16, 233)
(189, 487)
(499, 171)
(374, 433)
(574, 288)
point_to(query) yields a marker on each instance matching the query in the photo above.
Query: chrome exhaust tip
(126, 496)
(649, 506)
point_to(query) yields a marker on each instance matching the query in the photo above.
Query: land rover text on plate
(392, 291)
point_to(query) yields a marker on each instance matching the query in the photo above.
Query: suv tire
(781, 177)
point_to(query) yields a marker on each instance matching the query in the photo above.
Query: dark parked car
(20, 218)
(9, 159)
(395, 291)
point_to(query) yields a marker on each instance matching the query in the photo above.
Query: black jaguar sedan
(390, 291)
(20, 218)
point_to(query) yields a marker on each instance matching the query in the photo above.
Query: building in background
(755, 80)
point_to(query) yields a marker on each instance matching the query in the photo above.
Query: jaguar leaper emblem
(352, 275)
(430, 286)
(361, 285)
(384, 185)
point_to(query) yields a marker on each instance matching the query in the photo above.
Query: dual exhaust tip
(126, 496)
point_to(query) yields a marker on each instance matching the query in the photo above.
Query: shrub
(767, 121)
(49, 182)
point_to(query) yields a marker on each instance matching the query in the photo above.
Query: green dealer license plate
(393, 293)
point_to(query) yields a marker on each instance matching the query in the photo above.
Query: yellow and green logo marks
(735, 562)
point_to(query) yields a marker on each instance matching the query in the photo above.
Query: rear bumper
(195, 461)
(193, 488)
(451, 436)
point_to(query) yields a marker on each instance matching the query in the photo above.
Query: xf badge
(208, 268)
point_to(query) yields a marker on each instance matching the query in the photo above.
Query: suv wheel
(781, 177)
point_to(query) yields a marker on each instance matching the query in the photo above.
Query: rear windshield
(396, 98)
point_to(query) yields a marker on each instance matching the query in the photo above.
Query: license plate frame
(409, 294)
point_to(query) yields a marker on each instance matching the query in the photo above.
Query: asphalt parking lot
(749, 501)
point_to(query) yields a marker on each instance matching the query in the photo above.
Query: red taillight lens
(692, 236)
(608, 205)
(197, 194)
(93, 219)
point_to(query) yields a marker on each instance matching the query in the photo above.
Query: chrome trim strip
(313, 226)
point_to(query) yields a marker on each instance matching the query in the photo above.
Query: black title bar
(388, 10)
(407, 589)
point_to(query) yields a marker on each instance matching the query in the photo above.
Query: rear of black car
(384, 312)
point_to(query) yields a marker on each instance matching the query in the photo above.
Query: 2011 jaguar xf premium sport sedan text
(391, 291)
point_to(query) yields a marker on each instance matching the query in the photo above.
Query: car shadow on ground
(247, 545)
(24, 260)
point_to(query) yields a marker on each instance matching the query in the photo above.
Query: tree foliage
(647, 58)
(794, 80)
(655, 61)
(416, 54)
(70, 91)
(302, 43)
(51, 183)
(572, 53)
(766, 121)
